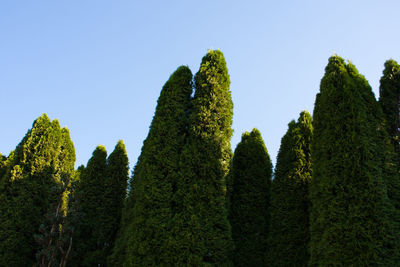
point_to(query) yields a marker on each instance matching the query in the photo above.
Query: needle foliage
(44, 155)
(201, 228)
(147, 239)
(289, 233)
(350, 219)
(249, 209)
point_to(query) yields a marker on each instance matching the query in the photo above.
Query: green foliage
(53, 237)
(289, 233)
(3, 166)
(119, 250)
(249, 212)
(390, 102)
(117, 174)
(350, 214)
(90, 196)
(201, 228)
(387, 113)
(148, 224)
(44, 155)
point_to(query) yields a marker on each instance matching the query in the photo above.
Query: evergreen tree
(119, 250)
(390, 102)
(201, 228)
(3, 165)
(117, 174)
(387, 113)
(155, 178)
(289, 233)
(44, 155)
(350, 212)
(249, 212)
(90, 196)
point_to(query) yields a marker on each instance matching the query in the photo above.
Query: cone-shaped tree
(389, 99)
(350, 210)
(201, 228)
(249, 212)
(155, 178)
(116, 179)
(289, 233)
(387, 113)
(43, 156)
(90, 196)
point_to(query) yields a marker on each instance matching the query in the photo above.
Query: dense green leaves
(389, 99)
(116, 179)
(289, 232)
(43, 156)
(155, 177)
(334, 199)
(3, 165)
(90, 194)
(201, 228)
(249, 209)
(350, 211)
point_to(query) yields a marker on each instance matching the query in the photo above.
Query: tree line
(333, 198)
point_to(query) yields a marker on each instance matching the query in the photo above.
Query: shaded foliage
(249, 211)
(389, 99)
(289, 233)
(87, 243)
(117, 174)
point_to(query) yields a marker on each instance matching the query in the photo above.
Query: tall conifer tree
(249, 212)
(387, 113)
(90, 196)
(116, 179)
(43, 156)
(389, 99)
(350, 211)
(155, 178)
(289, 233)
(201, 228)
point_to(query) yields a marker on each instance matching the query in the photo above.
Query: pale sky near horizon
(98, 66)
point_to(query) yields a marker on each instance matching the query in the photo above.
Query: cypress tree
(350, 211)
(117, 173)
(389, 99)
(249, 212)
(201, 228)
(90, 196)
(44, 155)
(289, 233)
(150, 204)
(387, 113)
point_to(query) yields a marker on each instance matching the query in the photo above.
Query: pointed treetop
(391, 67)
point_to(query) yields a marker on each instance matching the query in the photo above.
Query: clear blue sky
(99, 66)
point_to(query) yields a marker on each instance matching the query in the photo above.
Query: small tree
(116, 179)
(249, 212)
(90, 196)
(289, 233)
(389, 100)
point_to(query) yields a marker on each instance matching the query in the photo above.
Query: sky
(99, 66)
